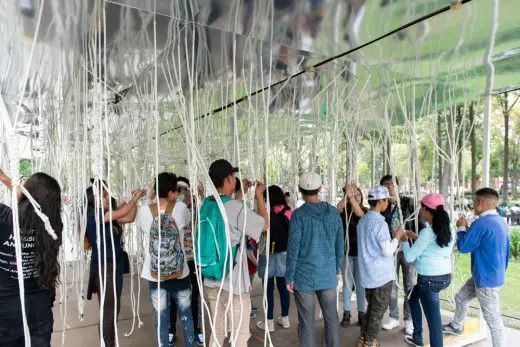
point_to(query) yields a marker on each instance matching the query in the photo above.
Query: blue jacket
(488, 241)
(315, 248)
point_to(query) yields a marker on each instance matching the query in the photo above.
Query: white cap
(310, 181)
(183, 184)
(378, 193)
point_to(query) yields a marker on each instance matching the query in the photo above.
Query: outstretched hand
(5, 179)
(400, 234)
(411, 235)
(137, 194)
(260, 188)
(462, 222)
(3, 176)
(350, 190)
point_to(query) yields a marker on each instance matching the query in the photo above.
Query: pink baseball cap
(433, 200)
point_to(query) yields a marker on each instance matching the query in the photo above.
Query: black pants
(195, 295)
(39, 319)
(109, 329)
(378, 300)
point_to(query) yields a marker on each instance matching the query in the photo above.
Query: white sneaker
(408, 327)
(270, 325)
(284, 322)
(391, 324)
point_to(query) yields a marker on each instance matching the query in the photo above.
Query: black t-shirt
(8, 271)
(352, 232)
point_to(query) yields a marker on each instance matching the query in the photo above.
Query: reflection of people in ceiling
(354, 14)
(305, 22)
(26, 8)
(352, 22)
(420, 30)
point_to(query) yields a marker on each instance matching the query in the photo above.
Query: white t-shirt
(237, 214)
(144, 223)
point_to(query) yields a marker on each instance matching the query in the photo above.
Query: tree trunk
(439, 161)
(514, 185)
(505, 175)
(473, 143)
(387, 160)
(460, 169)
(514, 178)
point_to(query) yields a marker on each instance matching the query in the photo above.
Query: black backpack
(279, 231)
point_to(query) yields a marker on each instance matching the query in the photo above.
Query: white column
(490, 70)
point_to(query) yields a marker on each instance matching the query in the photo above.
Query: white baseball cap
(310, 181)
(378, 193)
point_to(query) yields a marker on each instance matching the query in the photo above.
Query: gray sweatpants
(489, 299)
(305, 302)
(408, 284)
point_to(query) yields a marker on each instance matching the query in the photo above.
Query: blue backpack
(211, 242)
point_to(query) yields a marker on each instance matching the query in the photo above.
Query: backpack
(279, 231)
(211, 251)
(166, 259)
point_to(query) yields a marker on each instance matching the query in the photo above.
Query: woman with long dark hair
(39, 262)
(105, 219)
(279, 219)
(350, 216)
(432, 252)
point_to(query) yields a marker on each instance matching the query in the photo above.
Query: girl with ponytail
(432, 252)
(39, 262)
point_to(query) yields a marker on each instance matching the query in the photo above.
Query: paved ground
(85, 333)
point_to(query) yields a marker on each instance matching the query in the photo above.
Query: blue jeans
(180, 291)
(426, 293)
(350, 279)
(285, 299)
(38, 309)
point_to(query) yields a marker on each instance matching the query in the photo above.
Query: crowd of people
(304, 252)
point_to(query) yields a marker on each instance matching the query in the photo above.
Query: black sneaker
(410, 340)
(449, 329)
(345, 323)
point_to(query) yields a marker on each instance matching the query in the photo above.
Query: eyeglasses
(178, 190)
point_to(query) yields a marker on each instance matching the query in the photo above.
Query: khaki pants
(241, 304)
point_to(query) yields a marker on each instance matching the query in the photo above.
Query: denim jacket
(315, 248)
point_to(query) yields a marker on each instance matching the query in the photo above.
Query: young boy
(376, 251)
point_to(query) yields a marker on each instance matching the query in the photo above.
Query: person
(183, 217)
(376, 249)
(236, 284)
(314, 258)
(432, 252)
(176, 285)
(39, 262)
(251, 245)
(106, 258)
(279, 235)
(289, 200)
(185, 195)
(405, 208)
(488, 242)
(351, 210)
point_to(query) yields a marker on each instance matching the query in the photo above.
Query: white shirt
(238, 215)
(144, 223)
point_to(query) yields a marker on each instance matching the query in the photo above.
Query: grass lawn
(509, 295)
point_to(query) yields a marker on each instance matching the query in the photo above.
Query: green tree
(25, 168)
